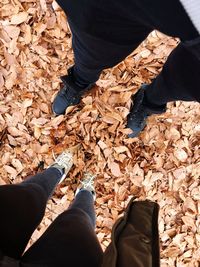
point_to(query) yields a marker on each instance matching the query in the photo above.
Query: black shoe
(69, 95)
(139, 112)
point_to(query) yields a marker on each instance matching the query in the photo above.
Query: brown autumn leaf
(19, 18)
(115, 169)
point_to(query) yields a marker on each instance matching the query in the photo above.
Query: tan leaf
(190, 205)
(14, 131)
(180, 154)
(39, 122)
(27, 34)
(56, 121)
(27, 103)
(115, 169)
(121, 149)
(5, 158)
(188, 221)
(12, 31)
(17, 164)
(19, 18)
(10, 170)
(44, 107)
(1, 80)
(145, 53)
(37, 132)
(102, 145)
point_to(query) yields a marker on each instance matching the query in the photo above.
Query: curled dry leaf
(102, 145)
(180, 154)
(190, 205)
(115, 169)
(27, 103)
(11, 171)
(17, 165)
(19, 18)
(14, 131)
(121, 149)
(189, 221)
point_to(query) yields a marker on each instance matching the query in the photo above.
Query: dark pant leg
(92, 55)
(85, 201)
(47, 179)
(105, 32)
(179, 79)
(70, 240)
(102, 36)
(22, 208)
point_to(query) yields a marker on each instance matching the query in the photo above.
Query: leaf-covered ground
(163, 164)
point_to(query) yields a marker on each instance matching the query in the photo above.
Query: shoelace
(88, 181)
(62, 160)
(70, 96)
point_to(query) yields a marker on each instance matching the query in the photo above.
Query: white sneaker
(63, 163)
(88, 184)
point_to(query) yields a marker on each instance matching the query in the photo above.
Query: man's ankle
(78, 80)
(154, 107)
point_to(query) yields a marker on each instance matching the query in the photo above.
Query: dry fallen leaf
(180, 154)
(115, 170)
(19, 18)
(11, 171)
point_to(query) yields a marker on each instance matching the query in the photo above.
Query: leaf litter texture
(162, 164)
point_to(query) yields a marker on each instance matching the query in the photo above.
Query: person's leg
(102, 36)
(84, 201)
(92, 55)
(105, 32)
(47, 180)
(70, 238)
(23, 205)
(179, 80)
(22, 209)
(180, 77)
(100, 25)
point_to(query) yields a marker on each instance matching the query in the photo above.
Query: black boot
(69, 95)
(140, 111)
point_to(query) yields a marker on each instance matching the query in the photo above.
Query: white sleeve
(192, 7)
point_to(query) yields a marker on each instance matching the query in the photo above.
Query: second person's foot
(140, 111)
